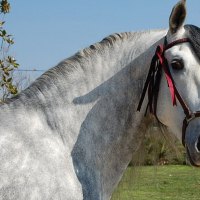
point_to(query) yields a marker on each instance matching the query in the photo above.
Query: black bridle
(158, 64)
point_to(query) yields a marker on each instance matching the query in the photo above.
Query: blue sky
(46, 32)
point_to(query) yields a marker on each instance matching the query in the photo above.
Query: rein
(152, 84)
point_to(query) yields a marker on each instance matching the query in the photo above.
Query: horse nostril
(198, 145)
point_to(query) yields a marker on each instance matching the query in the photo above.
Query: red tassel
(160, 54)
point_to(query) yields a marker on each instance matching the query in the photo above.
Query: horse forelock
(193, 32)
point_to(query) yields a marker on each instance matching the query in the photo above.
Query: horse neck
(90, 100)
(106, 135)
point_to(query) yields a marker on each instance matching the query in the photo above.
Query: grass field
(159, 182)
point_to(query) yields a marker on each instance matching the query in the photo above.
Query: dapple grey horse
(71, 134)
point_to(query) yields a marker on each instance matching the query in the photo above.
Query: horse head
(178, 102)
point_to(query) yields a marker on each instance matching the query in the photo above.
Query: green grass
(159, 182)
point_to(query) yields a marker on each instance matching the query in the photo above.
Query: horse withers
(71, 134)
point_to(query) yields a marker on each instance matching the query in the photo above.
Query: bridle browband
(152, 84)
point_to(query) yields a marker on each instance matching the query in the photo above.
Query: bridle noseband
(152, 84)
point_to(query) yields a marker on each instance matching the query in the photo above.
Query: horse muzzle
(192, 144)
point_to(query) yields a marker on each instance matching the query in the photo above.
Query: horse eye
(177, 64)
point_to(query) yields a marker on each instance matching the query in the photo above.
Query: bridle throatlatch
(158, 64)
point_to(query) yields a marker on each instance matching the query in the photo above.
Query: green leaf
(6, 73)
(9, 80)
(3, 32)
(2, 23)
(4, 78)
(13, 89)
(16, 65)
(10, 69)
(10, 41)
(4, 6)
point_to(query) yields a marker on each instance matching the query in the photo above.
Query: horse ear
(177, 16)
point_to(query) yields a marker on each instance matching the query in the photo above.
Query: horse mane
(194, 36)
(71, 63)
(76, 62)
(67, 66)
(106, 42)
